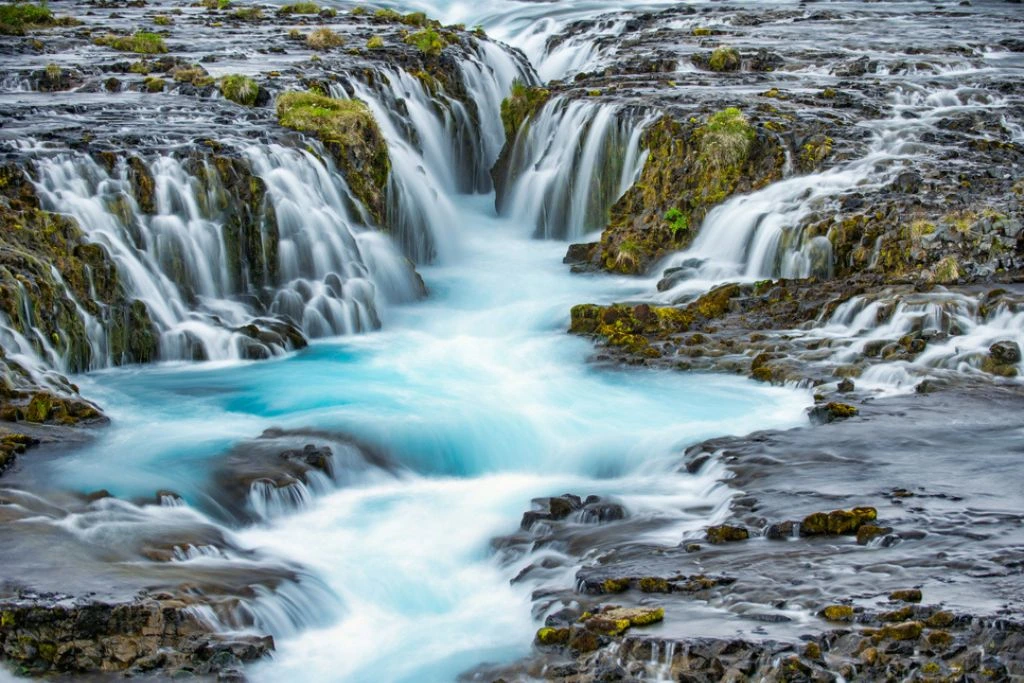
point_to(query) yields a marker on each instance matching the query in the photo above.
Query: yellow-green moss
(838, 613)
(324, 39)
(375, 43)
(349, 130)
(428, 41)
(141, 42)
(300, 8)
(240, 89)
(724, 58)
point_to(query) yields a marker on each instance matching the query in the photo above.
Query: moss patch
(240, 89)
(351, 134)
(141, 42)
(522, 103)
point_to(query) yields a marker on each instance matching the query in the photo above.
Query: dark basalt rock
(51, 635)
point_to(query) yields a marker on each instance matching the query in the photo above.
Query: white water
(570, 165)
(318, 266)
(484, 403)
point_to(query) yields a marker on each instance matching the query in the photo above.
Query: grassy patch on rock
(351, 134)
(141, 42)
(522, 103)
(240, 89)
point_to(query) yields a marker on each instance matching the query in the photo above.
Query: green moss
(428, 41)
(724, 58)
(947, 270)
(726, 533)
(140, 42)
(909, 595)
(154, 84)
(615, 585)
(216, 4)
(349, 130)
(300, 8)
(654, 584)
(375, 43)
(7, 619)
(196, 75)
(248, 14)
(324, 39)
(240, 89)
(17, 17)
(910, 630)
(162, 20)
(553, 636)
(522, 103)
(700, 31)
(838, 613)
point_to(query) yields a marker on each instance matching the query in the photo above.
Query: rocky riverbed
(799, 214)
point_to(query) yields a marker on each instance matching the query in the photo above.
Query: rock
(53, 636)
(909, 630)
(616, 621)
(830, 412)
(845, 386)
(911, 595)
(837, 522)
(653, 584)
(782, 531)
(726, 533)
(1005, 352)
(838, 613)
(868, 532)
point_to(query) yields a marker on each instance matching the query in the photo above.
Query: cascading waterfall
(958, 329)
(309, 261)
(569, 164)
(440, 146)
(759, 235)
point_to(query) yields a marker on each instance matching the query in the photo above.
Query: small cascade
(440, 145)
(226, 276)
(569, 164)
(268, 501)
(947, 331)
(761, 235)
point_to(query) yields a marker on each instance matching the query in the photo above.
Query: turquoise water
(483, 402)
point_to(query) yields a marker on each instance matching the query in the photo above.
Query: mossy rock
(553, 636)
(351, 134)
(691, 167)
(520, 106)
(654, 584)
(838, 613)
(616, 621)
(726, 533)
(909, 595)
(837, 522)
(909, 630)
(615, 585)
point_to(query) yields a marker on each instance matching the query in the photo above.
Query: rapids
(481, 403)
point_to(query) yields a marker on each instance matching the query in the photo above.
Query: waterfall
(441, 146)
(569, 164)
(760, 235)
(223, 279)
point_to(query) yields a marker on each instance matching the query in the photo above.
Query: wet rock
(54, 635)
(830, 412)
(1005, 352)
(726, 533)
(837, 522)
(838, 613)
(909, 595)
(782, 531)
(868, 532)
(615, 621)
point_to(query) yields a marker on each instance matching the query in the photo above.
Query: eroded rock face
(50, 635)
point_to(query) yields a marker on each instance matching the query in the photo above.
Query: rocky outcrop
(55, 635)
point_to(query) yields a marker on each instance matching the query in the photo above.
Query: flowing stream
(446, 416)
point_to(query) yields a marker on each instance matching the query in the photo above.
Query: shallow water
(483, 402)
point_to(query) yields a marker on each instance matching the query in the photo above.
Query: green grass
(428, 41)
(375, 43)
(330, 119)
(240, 89)
(724, 59)
(141, 42)
(16, 17)
(300, 8)
(726, 138)
(678, 222)
(248, 14)
(324, 39)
